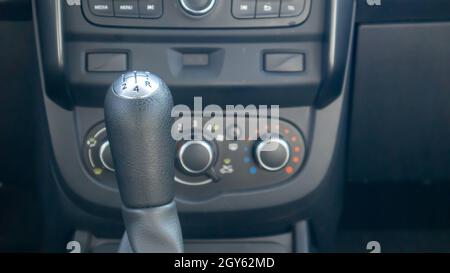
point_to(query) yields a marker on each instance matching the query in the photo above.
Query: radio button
(150, 8)
(244, 9)
(101, 7)
(268, 9)
(291, 8)
(126, 8)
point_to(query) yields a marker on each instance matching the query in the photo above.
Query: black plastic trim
(175, 17)
(15, 10)
(47, 15)
(403, 11)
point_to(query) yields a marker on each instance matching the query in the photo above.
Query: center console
(291, 53)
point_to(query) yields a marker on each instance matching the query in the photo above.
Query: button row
(127, 8)
(248, 9)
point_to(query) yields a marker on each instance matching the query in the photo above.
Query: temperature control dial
(272, 154)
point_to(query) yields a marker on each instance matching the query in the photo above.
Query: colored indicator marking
(297, 149)
(296, 159)
(92, 142)
(294, 139)
(227, 161)
(98, 171)
(286, 131)
(247, 159)
(253, 170)
(289, 170)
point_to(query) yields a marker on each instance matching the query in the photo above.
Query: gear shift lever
(138, 120)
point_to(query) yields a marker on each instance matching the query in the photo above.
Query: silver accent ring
(202, 183)
(194, 142)
(280, 142)
(102, 151)
(198, 12)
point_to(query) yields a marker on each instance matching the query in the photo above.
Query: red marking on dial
(289, 170)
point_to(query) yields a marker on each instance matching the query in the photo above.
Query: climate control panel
(210, 166)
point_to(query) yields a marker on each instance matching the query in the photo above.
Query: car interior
(360, 92)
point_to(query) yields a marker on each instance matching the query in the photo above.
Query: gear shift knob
(137, 108)
(138, 121)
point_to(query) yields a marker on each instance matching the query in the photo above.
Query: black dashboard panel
(225, 67)
(222, 15)
(400, 115)
(391, 11)
(399, 131)
(229, 53)
(390, 97)
(15, 10)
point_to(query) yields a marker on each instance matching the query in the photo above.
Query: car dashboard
(354, 82)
